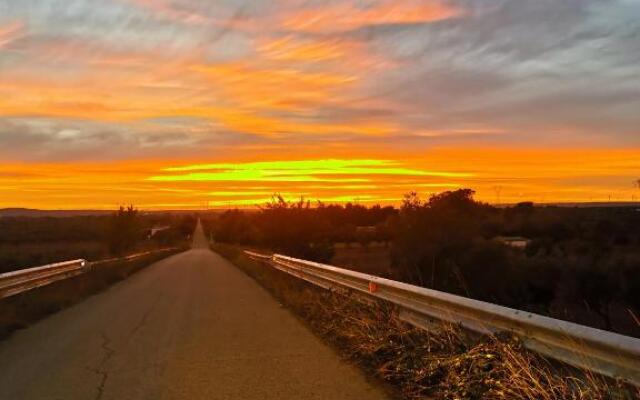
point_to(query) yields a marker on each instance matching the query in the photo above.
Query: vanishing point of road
(191, 326)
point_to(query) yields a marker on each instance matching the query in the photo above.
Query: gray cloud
(534, 68)
(46, 139)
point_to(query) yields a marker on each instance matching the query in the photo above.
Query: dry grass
(444, 363)
(22, 310)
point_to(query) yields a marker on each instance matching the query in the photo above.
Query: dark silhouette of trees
(578, 257)
(235, 226)
(295, 228)
(124, 231)
(302, 228)
(52, 229)
(178, 229)
(578, 261)
(431, 236)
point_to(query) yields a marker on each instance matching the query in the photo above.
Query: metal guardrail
(15, 282)
(131, 257)
(604, 352)
(258, 256)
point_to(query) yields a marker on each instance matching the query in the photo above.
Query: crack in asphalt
(145, 317)
(100, 370)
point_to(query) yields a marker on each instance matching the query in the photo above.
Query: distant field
(24, 255)
(18, 256)
(29, 241)
(28, 212)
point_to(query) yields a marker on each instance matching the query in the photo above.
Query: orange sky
(542, 176)
(180, 104)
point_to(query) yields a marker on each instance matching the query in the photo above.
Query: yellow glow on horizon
(320, 167)
(299, 171)
(519, 175)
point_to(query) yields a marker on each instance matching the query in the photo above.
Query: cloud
(337, 16)
(196, 82)
(382, 68)
(542, 70)
(46, 139)
(10, 32)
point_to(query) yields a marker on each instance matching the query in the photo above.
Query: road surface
(191, 326)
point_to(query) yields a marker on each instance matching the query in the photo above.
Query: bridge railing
(15, 282)
(604, 352)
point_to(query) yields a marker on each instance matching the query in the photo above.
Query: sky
(188, 104)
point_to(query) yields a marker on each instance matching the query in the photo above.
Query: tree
(430, 237)
(234, 226)
(296, 229)
(124, 231)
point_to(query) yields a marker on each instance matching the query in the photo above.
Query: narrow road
(191, 326)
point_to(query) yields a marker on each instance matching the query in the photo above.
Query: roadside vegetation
(576, 264)
(33, 241)
(20, 311)
(443, 363)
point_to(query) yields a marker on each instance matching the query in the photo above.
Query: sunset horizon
(200, 184)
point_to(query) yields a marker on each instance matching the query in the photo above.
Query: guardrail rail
(604, 352)
(15, 282)
(12, 283)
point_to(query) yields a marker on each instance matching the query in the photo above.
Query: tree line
(581, 264)
(31, 241)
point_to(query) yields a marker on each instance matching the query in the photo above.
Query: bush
(124, 230)
(581, 264)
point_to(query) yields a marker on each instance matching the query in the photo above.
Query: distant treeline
(52, 229)
(32, 241)
(580, 264)
(301, 230)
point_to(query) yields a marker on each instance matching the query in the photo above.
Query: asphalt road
(191, 326)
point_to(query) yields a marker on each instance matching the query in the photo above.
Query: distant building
(517, 242)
